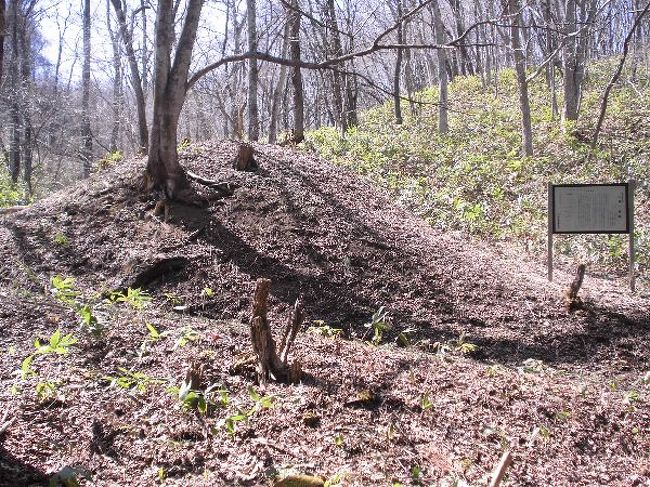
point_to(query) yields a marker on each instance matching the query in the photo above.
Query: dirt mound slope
(492, 358)
(323, 232)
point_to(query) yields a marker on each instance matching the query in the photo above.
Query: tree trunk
(86, 135)
(443, 101)
(117, 84)
(278, 93)
(14, 107)
(296, 76)
(336, 49)
(253, 77)
(25, 97)
(397, 75)
(136, 79)
(164, 174)
(514, 12)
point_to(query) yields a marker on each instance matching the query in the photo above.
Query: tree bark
(443, 99)
(296, 76)
(118, 100)
(136, 80)
(164, 174)
(14, 108)
(397, 75)
(86, 134)
(253, 76)
(514, 12)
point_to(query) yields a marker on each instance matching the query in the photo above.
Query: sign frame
(630, 187)
(594, 231)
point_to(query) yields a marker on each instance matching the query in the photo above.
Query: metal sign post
(591, 208)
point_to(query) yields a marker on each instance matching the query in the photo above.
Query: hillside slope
(321, 231)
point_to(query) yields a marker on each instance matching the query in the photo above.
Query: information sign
(590, 208)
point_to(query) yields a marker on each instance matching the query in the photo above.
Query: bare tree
(136, 80)
(514, 13)
(86, 133)
(253, 77)
(164, 174)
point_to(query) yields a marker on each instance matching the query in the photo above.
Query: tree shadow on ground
(16, 473)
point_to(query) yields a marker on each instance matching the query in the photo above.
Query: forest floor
(482, 355)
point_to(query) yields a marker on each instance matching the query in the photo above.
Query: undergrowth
(474, 179)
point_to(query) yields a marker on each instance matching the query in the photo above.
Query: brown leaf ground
(567, 393)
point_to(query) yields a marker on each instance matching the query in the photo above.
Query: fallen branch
(225, 188)
(6, 424)
(499, 472)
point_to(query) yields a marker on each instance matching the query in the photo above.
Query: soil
(479, 354)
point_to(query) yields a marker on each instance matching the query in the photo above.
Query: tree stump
(245, 160)
(272, 362)
(571, 299)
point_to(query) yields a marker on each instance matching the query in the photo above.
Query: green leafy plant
(320, 328)
(379, 324)
(135, 298)
(336, 480)
(63, 289)
(153, 334)
(61, 240)
(214, 395)
(425, 402)
(242, 415)
(188, 335)
(207, 292)
(133, 381)
(339, 440)
(47, 390)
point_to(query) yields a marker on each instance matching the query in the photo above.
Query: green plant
(242, 415)
(339, 440)
(47, 390)
(63, 289)
(463, 346)
(320, 328)
(425, 402)
(153, 334)
(135, 298)
(61, 240)
(131, 380)
(110, 159)
(416, 474)
(336, 480)
(214, 395)
(379, 323)
(207, 292)
(188, 335)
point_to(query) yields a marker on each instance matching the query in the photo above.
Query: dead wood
(245, 160)
(500, 470)
(270, 364)
(571, 298)
(223, 188)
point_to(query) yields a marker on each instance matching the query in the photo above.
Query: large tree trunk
(279, 91)
(520, 67)
(253, 77)
(117, 84)
(164, 174)
(26, 81)
(14, 107)
(397, 75)
(335, 49)
(136, 79)
(86, 135)
(296, 76)
(443, 101)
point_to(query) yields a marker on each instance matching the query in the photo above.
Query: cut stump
(245, 158)
(272, 362)
(571, 298)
